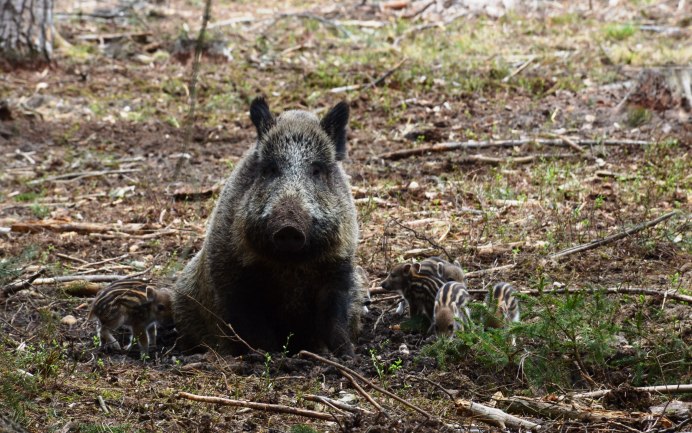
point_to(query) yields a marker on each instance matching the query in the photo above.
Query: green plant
(39, 211)
(637, 116)
(383, 369)
(302, 428)
(266, 374)
(619, 32)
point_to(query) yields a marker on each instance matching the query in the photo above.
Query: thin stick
(573, 144)
(669, 294)
(374, 83)
(341, 368)
(363, 392)
(661, 389)
(336, 403)
(519, 69)
(82, 175)
(424, 238)
(74, 259)
(490, 270)
(112, 259)
(612, 238)
(456, 145)
(13, 288)
(265, 407)
(386, 75)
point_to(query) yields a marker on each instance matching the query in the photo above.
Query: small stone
(68, 320)
(590, 118)
(403, 349)
(413, 186)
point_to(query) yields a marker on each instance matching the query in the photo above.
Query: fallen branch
(119, 235)
(493, 416)
(113, 36)
(13, 288)
(88, 278)
(265, 407)
(456, 145)
(669, 294)
(336, 403)
(363, 392)
(612, 238)
(341, 368)
(79, 227)
(554, 410)
(82, 175)
(661, 389)
(188, 194)
(81, 289)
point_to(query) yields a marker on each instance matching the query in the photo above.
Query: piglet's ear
(261, 117)
(416, 268)
(334, 124)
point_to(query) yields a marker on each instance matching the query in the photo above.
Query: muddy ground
(104, 136)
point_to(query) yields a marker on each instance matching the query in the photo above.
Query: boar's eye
(270, 170)
(160, 307)
(317, 170)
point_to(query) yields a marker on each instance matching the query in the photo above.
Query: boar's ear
(261, 116)
(334, 124)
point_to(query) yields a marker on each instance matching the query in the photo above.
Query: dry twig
(336, 403)
(265, 407)
(493, 416)
(81, 175)
(661, 389)
(342, 369)
(363, 392)
(612, 238)
(457, 145)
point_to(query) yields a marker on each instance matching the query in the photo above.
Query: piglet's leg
(151, 335)
(107, 338)
(140, 332)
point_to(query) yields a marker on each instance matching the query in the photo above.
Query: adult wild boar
(277, 264)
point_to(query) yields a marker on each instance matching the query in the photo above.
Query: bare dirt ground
(103, 136)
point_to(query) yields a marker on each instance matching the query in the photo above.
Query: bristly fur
(291, 179)
(418, 283)
(451, 308)
(132, 304)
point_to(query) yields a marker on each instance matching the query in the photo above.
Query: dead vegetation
(548, 147)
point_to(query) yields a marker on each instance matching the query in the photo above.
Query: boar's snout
(289, 239)
(289, 226)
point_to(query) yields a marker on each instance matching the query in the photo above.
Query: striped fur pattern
(418, 284)
(440, 268)
(444, 269)
(134, 305)
(503, 303)
(451, 308)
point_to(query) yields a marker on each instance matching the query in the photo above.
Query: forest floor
(103, 138)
